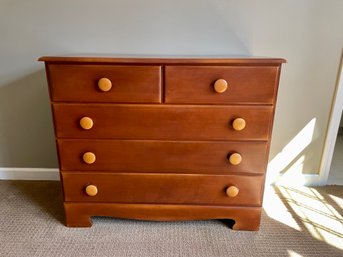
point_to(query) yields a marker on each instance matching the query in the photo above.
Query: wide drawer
(79, 83)
(162, 156)
(162, 188)
(167, 122)
(245, 84)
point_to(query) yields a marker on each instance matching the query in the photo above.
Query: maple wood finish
(82, 83)
(163, 139)
(86, 123)
(248, 84)
(90, 157)
(220, 86)
(236, 158)
(239, 124)
(232, 191)
(195, 157)
(163, 188)
(79, 214)
(164, 122)
(91, 190)
(104, 84)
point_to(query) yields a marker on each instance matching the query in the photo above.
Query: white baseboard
(29, 174)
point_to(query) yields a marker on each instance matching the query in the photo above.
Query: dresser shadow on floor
(115, 221)
(228, 222)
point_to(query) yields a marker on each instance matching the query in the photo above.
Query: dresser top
(164, 60)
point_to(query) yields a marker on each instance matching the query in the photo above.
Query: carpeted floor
(296, 222)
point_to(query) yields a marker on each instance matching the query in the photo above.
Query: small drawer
(162, 122)
(162, 156)
(235, 84)
(104, 83)
(163, 188)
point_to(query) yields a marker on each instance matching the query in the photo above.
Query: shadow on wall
(294, 157)
(299, 150)
(26, 131)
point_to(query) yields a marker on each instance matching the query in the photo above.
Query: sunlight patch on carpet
(305, 208)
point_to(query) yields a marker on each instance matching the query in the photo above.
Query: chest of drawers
(163, 139)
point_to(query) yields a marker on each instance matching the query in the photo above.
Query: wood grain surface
(151, 138)
(163, 188)
(246, 84)
(162, 156)
(79, 214)
(182, 60)
(167, 122)
(79, 83)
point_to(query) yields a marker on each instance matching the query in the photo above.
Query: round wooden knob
(104, 84)
(238, 124)
(235, 158)
(89, 157)
(232, 191)
(220, 86)
(91, 190)
(86, 123)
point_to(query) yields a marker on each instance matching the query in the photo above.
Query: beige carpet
(31, 224)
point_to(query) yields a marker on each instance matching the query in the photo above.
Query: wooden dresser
(163, 139)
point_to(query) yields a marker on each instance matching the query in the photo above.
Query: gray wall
(307, 33)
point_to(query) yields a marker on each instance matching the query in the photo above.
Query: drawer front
(163, 188)
(79, 83)
(166, 122)
(245, 84)
(162, 156)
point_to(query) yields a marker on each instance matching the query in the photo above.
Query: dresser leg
(247, 220)
(79, 214)
(74, 218)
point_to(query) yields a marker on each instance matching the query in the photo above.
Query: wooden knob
(238, 124)
(220, 86)
(91, 190)
(104, 84)
(86, 123)
(235, 158)
(89, 157)
(232, 191)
